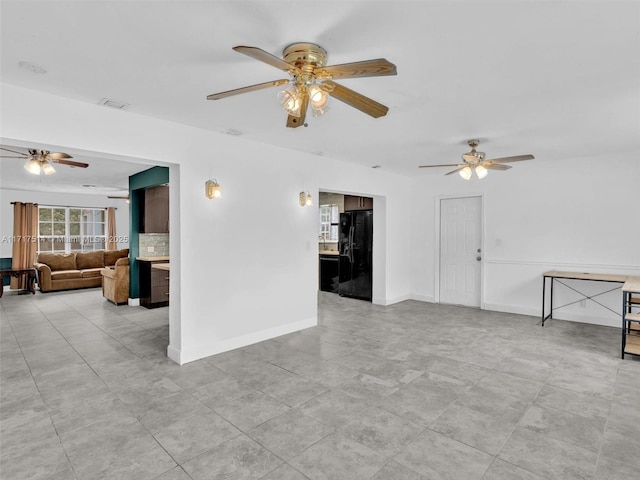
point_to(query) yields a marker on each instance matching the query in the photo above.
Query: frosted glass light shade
(32, 166)
(212, 189)
(305, 199)
(481, 172)
(290, 101)
(47, 168)
(319, 100)
(466, 173)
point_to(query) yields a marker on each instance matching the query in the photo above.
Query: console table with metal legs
(555, 275)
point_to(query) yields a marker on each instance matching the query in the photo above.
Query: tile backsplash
(155, 243)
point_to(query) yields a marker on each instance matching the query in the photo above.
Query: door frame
(436, 269)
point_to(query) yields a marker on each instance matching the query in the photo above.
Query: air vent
(109, 102)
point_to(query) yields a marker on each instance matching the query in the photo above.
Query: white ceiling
(558, 79)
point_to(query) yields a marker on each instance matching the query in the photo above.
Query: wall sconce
(212, 189)
(305, 199)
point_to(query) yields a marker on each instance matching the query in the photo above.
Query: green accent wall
(152, 177)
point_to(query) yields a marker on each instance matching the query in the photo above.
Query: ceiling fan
(121, 197)
(39, 161)
(475, 161)
(311, 81)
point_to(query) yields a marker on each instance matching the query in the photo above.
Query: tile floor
(413, 391)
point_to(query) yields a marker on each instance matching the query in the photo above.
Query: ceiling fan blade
(367, 68)
(251, 88)
(516, 158)
(266, 57)
(460, 167)
(24, 155)
(69, 162)
(444, 165)
(10, 156)
(295, 122)
(57, 156)
(495, 166)
(353, 98)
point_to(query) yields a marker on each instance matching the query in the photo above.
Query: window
(71, 229)
(329, 218)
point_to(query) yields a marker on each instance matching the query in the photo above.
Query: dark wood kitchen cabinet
(352, 202)
(154, 285)
(154, 214)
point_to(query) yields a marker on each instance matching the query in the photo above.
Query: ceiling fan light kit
(475, 161)
(39, 161)
(311, 81)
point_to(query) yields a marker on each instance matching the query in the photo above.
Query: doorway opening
(346, 245)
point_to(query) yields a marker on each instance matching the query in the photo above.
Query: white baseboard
(517, 309)
(568, 316)
(241, 341)
(389, 301)
(422, 298)
(134, 302)
(174, 354)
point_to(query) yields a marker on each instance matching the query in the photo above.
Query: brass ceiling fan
(120, 197)
(475, 161)
(39, 161)
(311, 81)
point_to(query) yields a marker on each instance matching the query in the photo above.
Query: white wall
(244, 267)
(565, 214)
(52, 198)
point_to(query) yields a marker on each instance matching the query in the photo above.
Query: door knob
(478, 258)
(479, 250)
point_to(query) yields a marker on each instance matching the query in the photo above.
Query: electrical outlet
(150, 249)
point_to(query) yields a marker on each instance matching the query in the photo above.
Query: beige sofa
(65, 271)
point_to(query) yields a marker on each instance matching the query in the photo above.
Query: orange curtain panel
(25, 237)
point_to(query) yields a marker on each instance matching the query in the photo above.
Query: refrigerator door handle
(351, 232)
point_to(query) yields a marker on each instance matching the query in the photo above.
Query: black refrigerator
(355, 243)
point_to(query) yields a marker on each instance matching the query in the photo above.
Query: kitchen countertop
(328, 252)
(161, 266)
(153, 259)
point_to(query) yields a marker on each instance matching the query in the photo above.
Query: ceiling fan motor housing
(307, 57)
(473, 156)
(305, 54)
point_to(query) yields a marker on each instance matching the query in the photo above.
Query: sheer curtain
(111, 229)
(25, 238)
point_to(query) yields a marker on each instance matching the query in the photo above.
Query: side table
(18, 272)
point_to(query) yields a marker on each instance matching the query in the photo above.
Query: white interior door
(460, 250)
